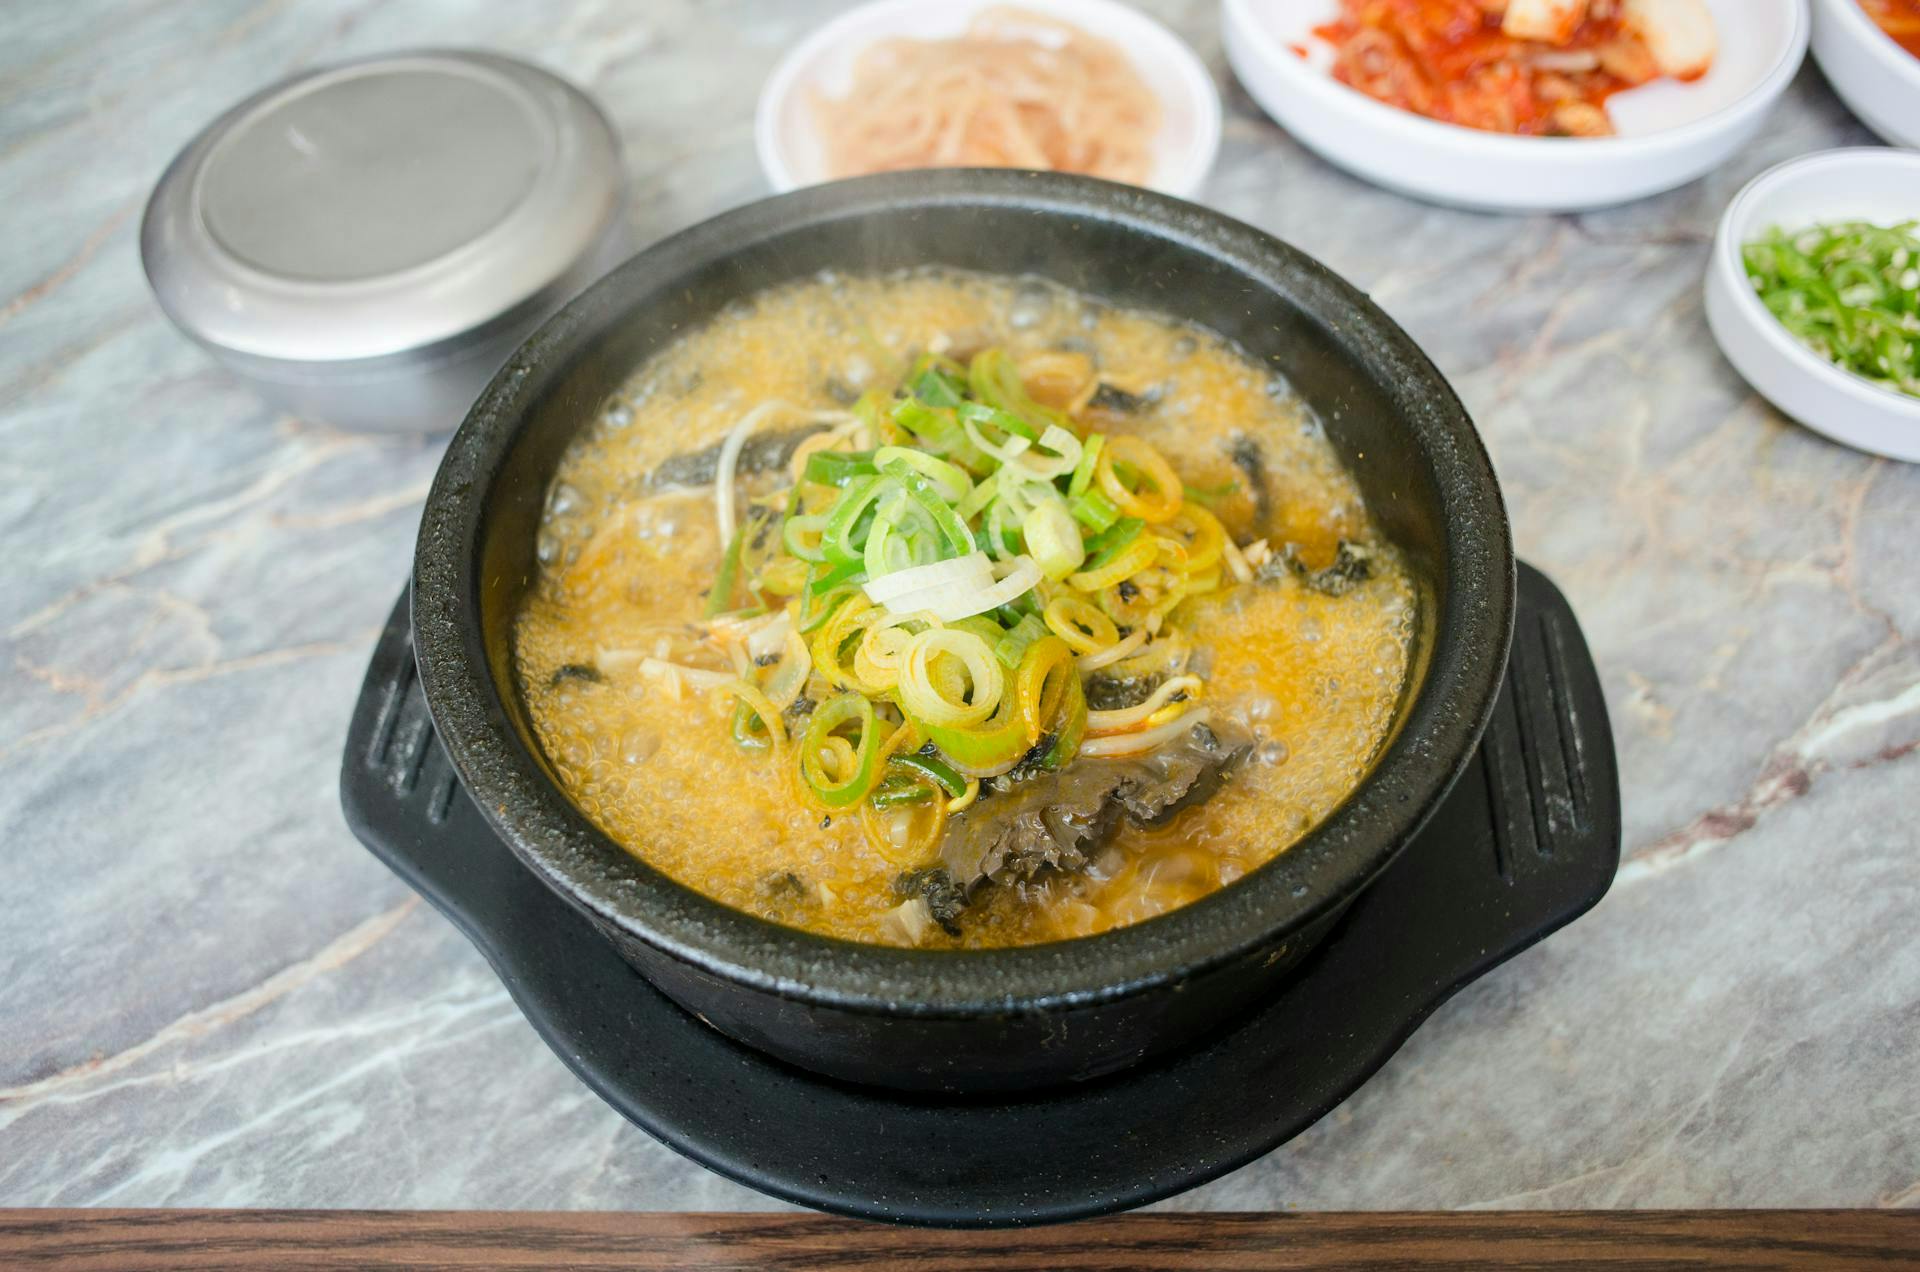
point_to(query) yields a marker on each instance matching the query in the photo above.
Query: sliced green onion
(1207, 493)
(1012, 647)
(801, 536)
(1072, 729)
(932, 382)
(987, 748)
(985, 626)
(979, 497)
(1065, 453)
(935, 427)
(1006, 422)
(870, 409)
(1053, 540)
(970, 573)
(1026, 605)
(886, 551)
(995, 380)
(1110, 542)
(1083, 471)
(1003, 530)
(831, 585)
(842, 541)
(1006, 448)
(720, 595)
(922, 491)
(837, 468)
(950, 702)
(952, 601)
(836, 712)
(950, 480)
(1092, 509)
(749, 730)
(1021, 576)
(1018, 494)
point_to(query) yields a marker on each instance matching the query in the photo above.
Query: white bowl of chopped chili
(1868, 185)
(1665, 133)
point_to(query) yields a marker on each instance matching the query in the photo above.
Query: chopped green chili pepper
(1848, 291)
(932, 768)
(895, 792)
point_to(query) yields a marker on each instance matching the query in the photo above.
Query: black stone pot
(1003, 1019)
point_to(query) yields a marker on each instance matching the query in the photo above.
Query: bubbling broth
(942, 609)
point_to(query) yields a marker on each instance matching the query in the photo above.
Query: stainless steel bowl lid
(381, 206)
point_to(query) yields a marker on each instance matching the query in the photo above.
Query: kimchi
(1525, 67)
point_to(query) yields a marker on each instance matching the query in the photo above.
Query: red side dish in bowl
(1900, 19)
(1527, 67)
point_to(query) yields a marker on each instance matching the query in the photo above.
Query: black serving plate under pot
(1528, 839)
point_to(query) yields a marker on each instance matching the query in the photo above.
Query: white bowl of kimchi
(1092, 86)
(1877, 79)
(1667, 131)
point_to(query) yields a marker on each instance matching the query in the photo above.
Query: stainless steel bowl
(366, 243)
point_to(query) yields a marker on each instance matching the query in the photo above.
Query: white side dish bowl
(1669, 133)
(1882, 186)
(1877, 79)
(789, 144)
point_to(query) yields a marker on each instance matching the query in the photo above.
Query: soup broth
(1287, 655)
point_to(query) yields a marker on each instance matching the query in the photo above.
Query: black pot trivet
(1528, 840)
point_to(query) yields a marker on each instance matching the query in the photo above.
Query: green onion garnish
(1012, 647)
(1106, 545)
(837, 468)
(1094, 510)
(720, 596)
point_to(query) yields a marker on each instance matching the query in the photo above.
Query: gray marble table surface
(210, 995)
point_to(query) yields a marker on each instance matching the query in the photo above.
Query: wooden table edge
(222, 1239)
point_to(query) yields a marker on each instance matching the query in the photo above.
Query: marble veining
(209, 995)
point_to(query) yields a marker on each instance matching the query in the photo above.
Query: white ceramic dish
(1837, 185)
(789, 147)
(1669, 133)
(1877, 79)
